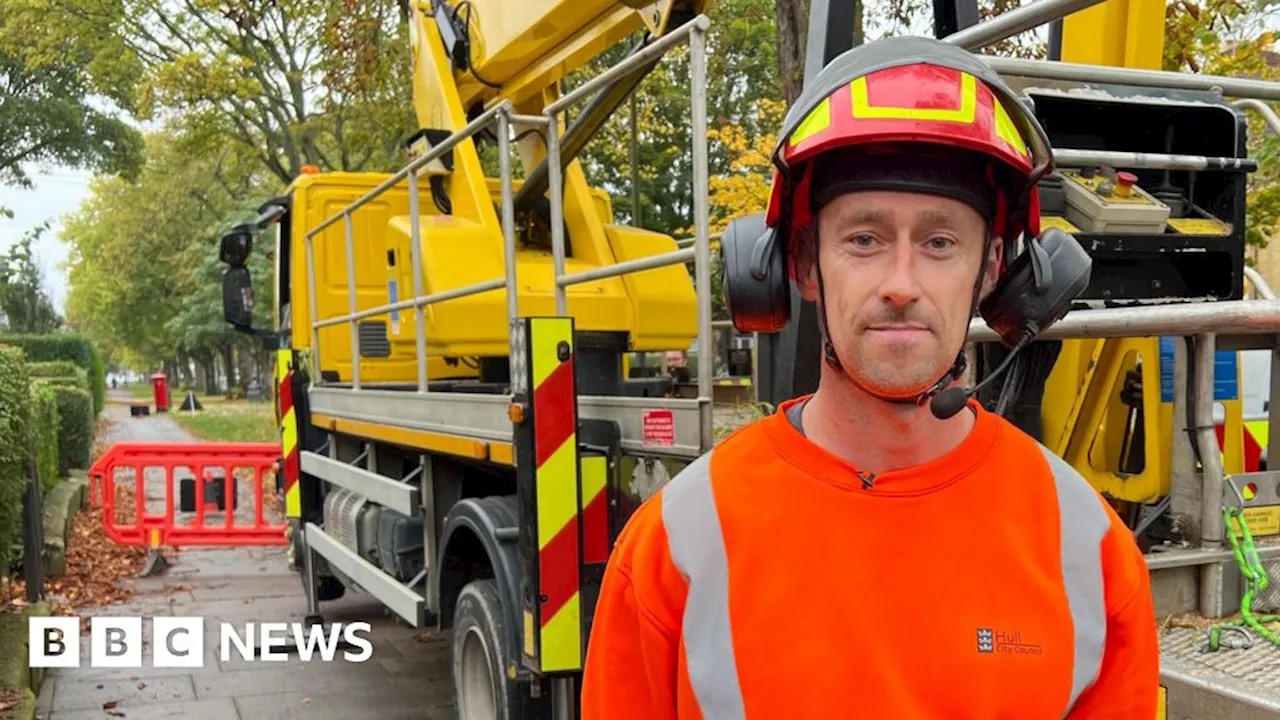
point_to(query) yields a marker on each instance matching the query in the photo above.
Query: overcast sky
(55, 194)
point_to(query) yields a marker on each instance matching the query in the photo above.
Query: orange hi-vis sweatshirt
(770, 579)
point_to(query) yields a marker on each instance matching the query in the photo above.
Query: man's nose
(900, 285)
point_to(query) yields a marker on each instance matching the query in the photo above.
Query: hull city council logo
(1010, 642)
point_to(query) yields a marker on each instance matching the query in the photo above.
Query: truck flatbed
(482, 418)
(1229, 684)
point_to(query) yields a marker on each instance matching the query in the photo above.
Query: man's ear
(804, 264)
(991, 271)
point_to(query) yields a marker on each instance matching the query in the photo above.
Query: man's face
(898, 273)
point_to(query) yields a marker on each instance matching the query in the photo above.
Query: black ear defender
(1035, 292)
(755, 281)
(1038, 288)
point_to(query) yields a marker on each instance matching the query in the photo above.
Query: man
(854, 555)
(678, 365)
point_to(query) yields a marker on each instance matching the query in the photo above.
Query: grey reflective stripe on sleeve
(697, 549)
(1083, 525)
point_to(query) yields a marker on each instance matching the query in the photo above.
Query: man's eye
(940, 243)
(863, 240)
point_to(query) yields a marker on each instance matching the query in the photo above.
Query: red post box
(159, 383)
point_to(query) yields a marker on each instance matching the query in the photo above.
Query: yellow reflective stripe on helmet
(863, 110)
(816, 122)
(1008, 131)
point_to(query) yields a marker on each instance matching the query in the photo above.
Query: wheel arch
(479, 540)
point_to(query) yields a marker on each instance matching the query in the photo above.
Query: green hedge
(61, 372)
(44, 409)
(54, 368)
(71, 347)
(75, 420)
(15, 444)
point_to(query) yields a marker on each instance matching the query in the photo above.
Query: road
(406, 676)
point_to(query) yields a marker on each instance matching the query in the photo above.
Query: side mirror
(237, 297)
(235, 246)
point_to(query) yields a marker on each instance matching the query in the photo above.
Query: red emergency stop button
(1124, 183)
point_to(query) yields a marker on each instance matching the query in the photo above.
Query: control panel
(1156, 234)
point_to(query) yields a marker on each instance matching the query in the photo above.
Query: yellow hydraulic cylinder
(1119, 33)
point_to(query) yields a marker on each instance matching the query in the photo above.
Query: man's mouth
(895, 328)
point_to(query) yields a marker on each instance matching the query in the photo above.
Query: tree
(46, 113)
(742, 71)
(23, 298)
(296, 82)
(139, 251)
(1226, 37)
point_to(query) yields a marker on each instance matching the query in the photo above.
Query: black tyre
(481, 690)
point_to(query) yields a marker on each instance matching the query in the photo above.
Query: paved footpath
(407, 676)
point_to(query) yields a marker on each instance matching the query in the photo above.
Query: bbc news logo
(178, 642)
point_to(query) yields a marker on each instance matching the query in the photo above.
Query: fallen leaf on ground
(107, 705)
(95, 567)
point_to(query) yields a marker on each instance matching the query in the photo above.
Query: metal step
(398, 496)
(399, 598)
(1231, 684)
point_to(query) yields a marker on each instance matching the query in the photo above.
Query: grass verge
(232, 421)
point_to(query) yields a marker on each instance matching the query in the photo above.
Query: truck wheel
(481, 690)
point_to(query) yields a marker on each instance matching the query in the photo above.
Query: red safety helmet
(912, 96)
(913, 114)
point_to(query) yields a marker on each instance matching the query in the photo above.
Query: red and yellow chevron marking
(556, 480)
(595, 509)
(288, 435)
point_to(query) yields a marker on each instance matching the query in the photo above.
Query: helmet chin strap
(957, 368)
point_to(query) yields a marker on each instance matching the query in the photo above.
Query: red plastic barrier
(198, 473)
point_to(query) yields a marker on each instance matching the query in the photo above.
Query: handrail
(1013, 22)
(1232, 317)
(501, 113)
(675, 257)
(1263, 109)
(435, 152)
(1259, 283)
(1080, 72)
(647, 54)
(692, 32)
(420, 301)
(1070, 157)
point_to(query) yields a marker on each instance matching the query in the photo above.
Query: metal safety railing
(692, 32)
(503, 116)
(1207, 322)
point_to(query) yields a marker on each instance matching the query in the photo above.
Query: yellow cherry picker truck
(459, 440)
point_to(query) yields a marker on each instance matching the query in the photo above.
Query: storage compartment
(400, 545)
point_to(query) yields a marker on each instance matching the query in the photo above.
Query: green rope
(1255, 578)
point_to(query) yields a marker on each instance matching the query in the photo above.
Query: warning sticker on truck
(659, 428)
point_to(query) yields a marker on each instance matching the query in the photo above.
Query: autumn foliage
(95, 566)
